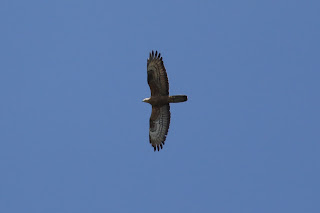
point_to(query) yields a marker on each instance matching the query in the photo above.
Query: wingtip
(155, 54)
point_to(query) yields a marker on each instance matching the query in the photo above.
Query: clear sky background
(74, 130)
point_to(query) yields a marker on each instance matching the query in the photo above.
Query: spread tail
(177, 98)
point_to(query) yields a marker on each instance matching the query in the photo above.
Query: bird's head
(146, 100)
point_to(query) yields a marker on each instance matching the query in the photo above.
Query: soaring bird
(160, 100)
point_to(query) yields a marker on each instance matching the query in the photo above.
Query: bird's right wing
(157, 75)
(159, 126)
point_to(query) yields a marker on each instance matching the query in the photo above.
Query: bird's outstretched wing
(157, 75)
(159, 126)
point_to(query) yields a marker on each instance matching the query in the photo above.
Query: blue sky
(74, 132)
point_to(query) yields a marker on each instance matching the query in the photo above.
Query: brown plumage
(160, 100)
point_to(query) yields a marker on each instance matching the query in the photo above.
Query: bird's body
(160, 100)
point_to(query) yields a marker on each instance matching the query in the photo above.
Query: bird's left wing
(157, 75)
(159, 126)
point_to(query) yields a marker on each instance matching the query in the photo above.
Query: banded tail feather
(177, 98)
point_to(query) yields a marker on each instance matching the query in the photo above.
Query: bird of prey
(160, 100)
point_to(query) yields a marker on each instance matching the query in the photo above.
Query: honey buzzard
(160, 100)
